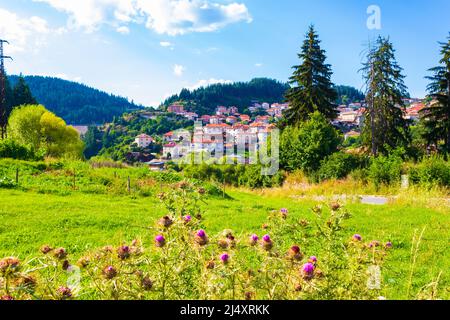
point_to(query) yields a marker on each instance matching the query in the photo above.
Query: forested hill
(240, 94)
(76, 103)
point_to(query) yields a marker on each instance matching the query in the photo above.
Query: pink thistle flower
(312, 259)
(308, 270)
(357, 237)
(388, 245)
(64, 293)
(267, 242)
(109, 272)
(201, 238)
(295, 253)
(225, 258)
(254, 240)
(160, 241)
(187, 219)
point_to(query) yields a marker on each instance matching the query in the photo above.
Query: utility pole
(3, 102)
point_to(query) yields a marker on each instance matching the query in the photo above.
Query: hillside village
(227, 129)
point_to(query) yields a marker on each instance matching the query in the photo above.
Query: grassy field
(81, 221)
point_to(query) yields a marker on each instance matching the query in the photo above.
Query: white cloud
(167, 44)
(205, 83)
(172, 17)
(178, 70)
(123, 30)
(22, 33)
(258, 65)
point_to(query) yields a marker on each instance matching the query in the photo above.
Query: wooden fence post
(129, 185)
(17, 175)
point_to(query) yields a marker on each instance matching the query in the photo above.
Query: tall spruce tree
(6, 106)
(311, 87)
(22, 94)
(436, 116)
(384, 127)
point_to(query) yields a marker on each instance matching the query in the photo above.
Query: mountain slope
(76, 103)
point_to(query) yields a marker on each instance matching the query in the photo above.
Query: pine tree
(22, 94)
(436, 116)
(6, 107)
(385, 127)
(311, 87)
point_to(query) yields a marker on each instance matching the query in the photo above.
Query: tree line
(308, 136)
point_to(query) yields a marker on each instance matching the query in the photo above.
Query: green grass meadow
(94, 215)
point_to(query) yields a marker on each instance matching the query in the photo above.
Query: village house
(143, 140)
(176, 108)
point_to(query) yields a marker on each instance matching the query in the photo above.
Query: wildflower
(60, 253)
(308, 270)
(123, 252)
(374, 244)
(335, 206)
(166, 221)
(254, 240)
(46, 249)
(187, 219)
(83, 262)
(267, 242)
(356, 237)
(223, 244)
(388, 245)
(107, 249)
(183, 185)
(201, 238)
(201, 191)
(6, 298)
(294, 253)
(64, 293)
(10, 264)
(249, 295)
(147, 283)
(284, 213)
(109, 272)
(312, 259)
(225, 258)
(160, 241)
(210, 264)
(27, 282)
(65, 265)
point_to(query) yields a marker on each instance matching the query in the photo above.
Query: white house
(143, 140)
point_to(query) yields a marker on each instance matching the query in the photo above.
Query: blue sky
(147, 50)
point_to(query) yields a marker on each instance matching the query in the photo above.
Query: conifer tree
(436, 116)
(311, 87)
(22, 94)
(384, 127)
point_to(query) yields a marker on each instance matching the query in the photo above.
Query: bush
(236, 175)
(14, 150)
(7, 183)
(339, 165)
(304, 147)
(385, 170)
(432, 171)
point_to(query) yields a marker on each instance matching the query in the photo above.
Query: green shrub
(385, 170)
(304, 147)
(11, 149)
(432, 171)
(339, 165)
(7, 183)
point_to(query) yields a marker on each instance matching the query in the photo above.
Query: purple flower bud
(255, 238)
(187, 218)
(389, 245)
(64, 292)
(357, 237)
(266, 238)
(284, 210)
(308, 268)
(201, 233)
(160, 241)
(225, 258)
(312, 259)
